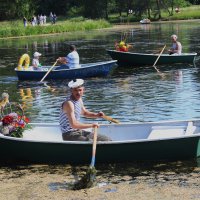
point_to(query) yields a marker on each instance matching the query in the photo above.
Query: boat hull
(171, 143)
(99, 69)
(137, 59)
(37, 152)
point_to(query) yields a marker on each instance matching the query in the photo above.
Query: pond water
(127, 94)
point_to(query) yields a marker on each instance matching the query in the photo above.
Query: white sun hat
(37, 54)
(174, 36)
(76, 83)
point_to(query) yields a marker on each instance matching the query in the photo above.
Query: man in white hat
(176, 48)
(35, 63)
(71, 110)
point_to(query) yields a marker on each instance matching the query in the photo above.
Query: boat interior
(121, 132)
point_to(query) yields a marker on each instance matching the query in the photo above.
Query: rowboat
(169, 140)
(136, 59)
(145, 21)
(84, 71)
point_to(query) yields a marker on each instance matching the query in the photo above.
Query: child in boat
(122, 46)
(35, 63)
(4, 100)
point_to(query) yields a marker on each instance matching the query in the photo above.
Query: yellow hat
(121, 44)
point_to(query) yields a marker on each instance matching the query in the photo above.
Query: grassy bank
(16, 28)
(191, 12)
(186, 13)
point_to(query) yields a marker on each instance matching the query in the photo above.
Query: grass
(191, 12)
(186, 13)
(16, 28)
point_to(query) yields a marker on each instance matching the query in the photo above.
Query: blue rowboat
(130, 142)
(138, 59)
(98, 69)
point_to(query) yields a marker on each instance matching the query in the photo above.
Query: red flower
(26, 119)
(7, 120)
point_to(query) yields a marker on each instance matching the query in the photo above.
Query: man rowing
(71, 110)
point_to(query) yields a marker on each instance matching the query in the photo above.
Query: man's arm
(89, 114)
(68, 108)
(179, 46)
(62, 60)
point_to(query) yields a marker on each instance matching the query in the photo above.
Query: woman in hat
(176, 46)
(70, 112)
(35, 63)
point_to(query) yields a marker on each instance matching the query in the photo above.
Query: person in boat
(122, 46)
(35, 63)
(71, 60)
(4, 100)
(70, 112)
(176, 48)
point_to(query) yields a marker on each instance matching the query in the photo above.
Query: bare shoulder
(178, 43)
(68, 105)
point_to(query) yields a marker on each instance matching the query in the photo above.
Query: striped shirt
(64, 121)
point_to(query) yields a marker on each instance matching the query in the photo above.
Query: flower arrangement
(13, 125)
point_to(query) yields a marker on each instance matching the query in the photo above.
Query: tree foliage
(10, 9)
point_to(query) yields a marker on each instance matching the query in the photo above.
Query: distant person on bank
(176, 48)
(71, 60)
(71, 110)
(25, 22)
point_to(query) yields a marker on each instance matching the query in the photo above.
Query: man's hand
(62, 60)
(95, 125)
(100, 114)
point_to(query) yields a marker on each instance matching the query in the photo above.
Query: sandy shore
(52, 182)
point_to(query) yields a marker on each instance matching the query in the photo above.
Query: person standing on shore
(176, 46)
(71, 110)
(25, 22)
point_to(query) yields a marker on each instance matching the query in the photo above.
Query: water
(128, 94)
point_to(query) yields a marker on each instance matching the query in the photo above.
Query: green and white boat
(138, 59)
(43, 143)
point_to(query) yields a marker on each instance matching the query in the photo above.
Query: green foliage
(98, 9)
(75, 11)
(181, 3)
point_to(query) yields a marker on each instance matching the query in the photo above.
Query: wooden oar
(48, 71)
(111, 119)
(158, 58)
(88, 179)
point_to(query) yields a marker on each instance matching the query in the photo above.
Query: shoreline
(113, 27)
(52, 182)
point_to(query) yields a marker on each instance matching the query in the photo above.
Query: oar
(88, 179)
(48, 71)
(158, 58)
(111, 119)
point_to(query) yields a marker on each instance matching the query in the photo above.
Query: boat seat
(159, 132)
(190, 128)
